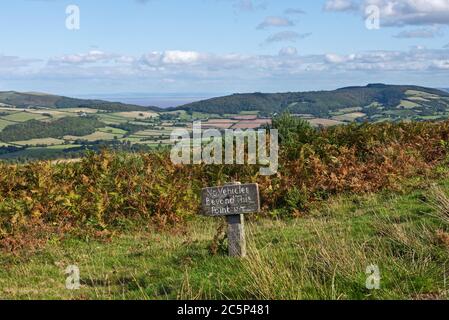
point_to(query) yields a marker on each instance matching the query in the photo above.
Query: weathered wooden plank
(236, 236)
(230, 200)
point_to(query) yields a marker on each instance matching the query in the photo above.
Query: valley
(41, 126)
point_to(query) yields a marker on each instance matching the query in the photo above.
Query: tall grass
(329, 260)
(440, 202)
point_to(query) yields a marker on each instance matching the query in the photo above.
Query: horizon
(174, 99)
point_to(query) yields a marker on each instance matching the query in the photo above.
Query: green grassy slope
(322, 256)
(319, 103)
(30, 99)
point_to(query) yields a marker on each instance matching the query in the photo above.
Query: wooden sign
(230, 200)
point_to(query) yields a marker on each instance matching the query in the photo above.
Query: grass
(110, 118)
(34, 142)
(323, 122)
(97, 135)
(135, 115)
(55, 114)
(321, 256)
(4, 123)
(61, 147)
(112, 130)
(23, 116)
(349, 116)
(78, 110)
(408, 104)
(421, 94)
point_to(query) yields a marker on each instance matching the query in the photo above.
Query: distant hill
(374, 99)
(43, 100)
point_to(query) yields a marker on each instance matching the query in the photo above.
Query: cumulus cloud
(398, 12)
(338, 59)
(173, 59)
(416, 59)
(275, 21)
(169, 63)
(340, 5)
(180, 57)
(187, 67)
(93, 56)
(288, 51)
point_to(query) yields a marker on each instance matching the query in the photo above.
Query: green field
(34, 142)
(4, 123)
(98, 135)
(23, 116)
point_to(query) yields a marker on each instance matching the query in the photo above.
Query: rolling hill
(43, 100)
(379, 100)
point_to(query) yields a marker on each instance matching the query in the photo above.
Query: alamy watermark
(72, 282)
(73, 19)
(213, 146)
(373, 277)
(372, 14)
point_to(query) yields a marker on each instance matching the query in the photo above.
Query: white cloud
(91, 57)
(336, 59)
(412, 12)
(340, 5)
(440, 64)
(193, 68)
(398, 12)
(168, 64)
(180, 57)
(288, 51)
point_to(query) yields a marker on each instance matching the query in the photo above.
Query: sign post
(233, 201)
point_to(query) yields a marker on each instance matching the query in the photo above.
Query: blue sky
(220, 46)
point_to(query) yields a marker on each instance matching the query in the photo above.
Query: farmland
(28, 128)
(31, 124)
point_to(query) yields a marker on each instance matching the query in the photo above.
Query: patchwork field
(129, 130)
(134, 130)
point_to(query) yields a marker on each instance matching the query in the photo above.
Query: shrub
(105, 189)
